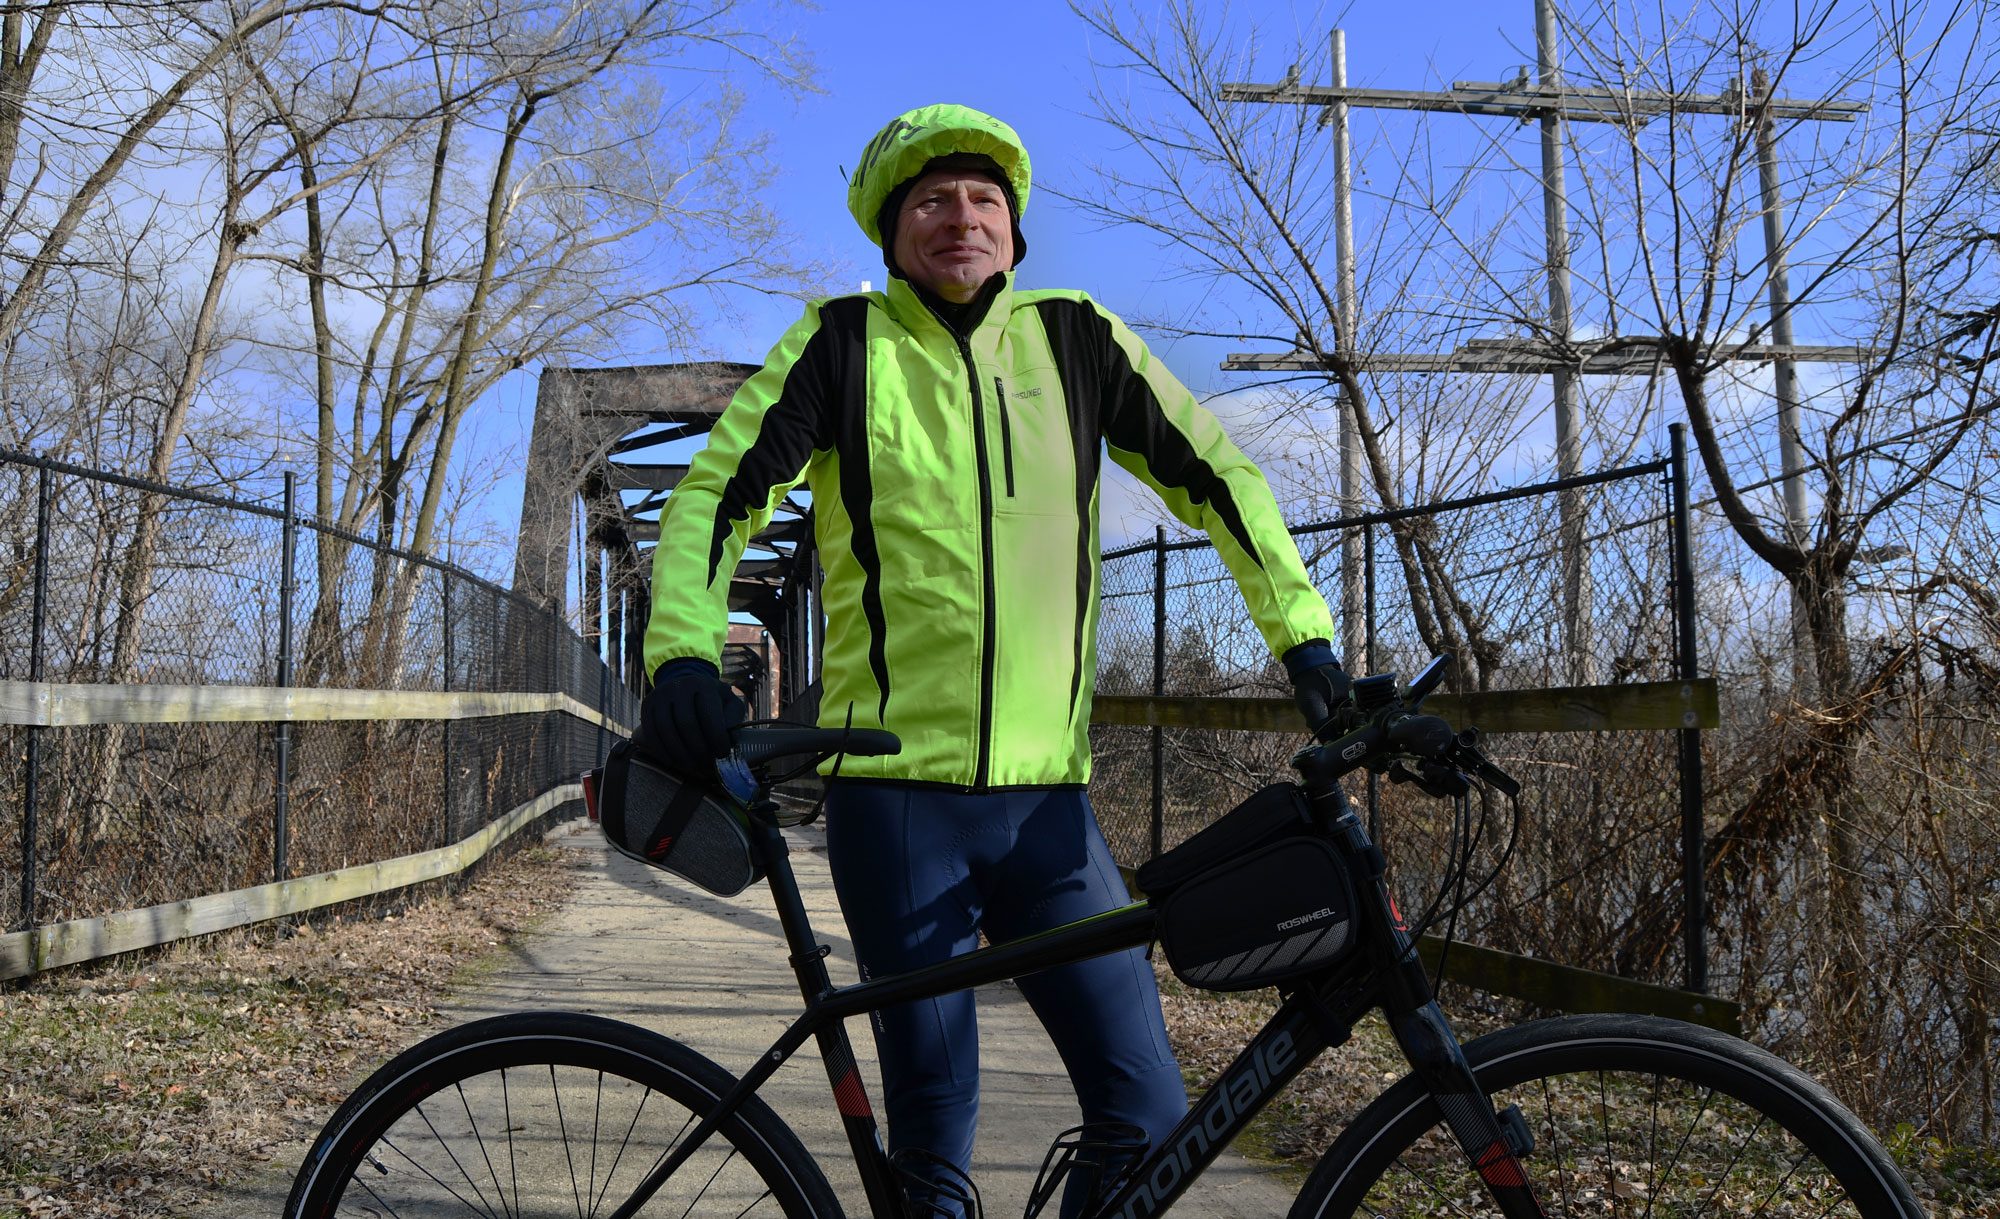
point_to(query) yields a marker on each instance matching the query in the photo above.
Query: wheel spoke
(441, 1183)
(562, 1128)
(705, 1185)
(444, 1145)
(513, 1159)
(753, 1204)
(638, 1112)
(1555, 1136)
(472, 1123)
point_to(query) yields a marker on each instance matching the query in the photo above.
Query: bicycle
(552, 1113)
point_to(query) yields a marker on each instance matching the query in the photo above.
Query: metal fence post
(31, 787)
(282, 793)
(1693, 847)
(552, 720)
(1159, 688)
(604, 693)
(445, 622)
(1371, 664)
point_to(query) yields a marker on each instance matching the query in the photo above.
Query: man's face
(954, 233)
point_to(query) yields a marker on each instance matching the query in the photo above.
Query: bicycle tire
(1630, 1115)
(551, 1113)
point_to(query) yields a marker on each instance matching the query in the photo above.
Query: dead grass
(137, 1088)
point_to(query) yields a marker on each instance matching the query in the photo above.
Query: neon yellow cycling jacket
(955, 492)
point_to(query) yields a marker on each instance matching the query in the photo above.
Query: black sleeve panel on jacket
(1078, 360)
(1134, 420)
(845, 321)
(795, 425)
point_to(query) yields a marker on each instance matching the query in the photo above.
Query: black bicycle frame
(1315, 1016)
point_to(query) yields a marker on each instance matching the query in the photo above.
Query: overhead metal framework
(1629, 355)
(593, 430)
(1522, 99)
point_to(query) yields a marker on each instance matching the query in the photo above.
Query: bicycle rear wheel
(1630, 1115)
(547, 1114)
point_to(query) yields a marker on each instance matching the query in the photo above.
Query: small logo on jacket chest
(1032, 392)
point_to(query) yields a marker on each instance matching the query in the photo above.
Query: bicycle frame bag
(1276, 913)
(693, 830)
(1270, 813)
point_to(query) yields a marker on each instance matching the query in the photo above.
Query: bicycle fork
(1493, 1143)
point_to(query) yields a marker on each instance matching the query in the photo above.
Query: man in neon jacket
(950, 430)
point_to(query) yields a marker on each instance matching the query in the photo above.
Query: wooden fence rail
(1634, 707)
(61, 705)
(28, 952)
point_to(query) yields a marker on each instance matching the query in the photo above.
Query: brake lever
(1432, 778)
(1468, 757)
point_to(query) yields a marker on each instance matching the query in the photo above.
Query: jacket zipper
(988, 630)
(1006, 436)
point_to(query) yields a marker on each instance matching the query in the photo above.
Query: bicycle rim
(1630, 1116)
(535, 1116)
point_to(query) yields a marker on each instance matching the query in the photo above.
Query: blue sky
(1033, 69)
(1028, 62)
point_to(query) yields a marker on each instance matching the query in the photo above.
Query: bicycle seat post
(808, 956)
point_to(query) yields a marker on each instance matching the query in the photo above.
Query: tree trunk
(136, 578)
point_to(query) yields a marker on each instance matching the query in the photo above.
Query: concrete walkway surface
(638, 945)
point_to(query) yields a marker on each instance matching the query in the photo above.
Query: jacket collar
(917, 309)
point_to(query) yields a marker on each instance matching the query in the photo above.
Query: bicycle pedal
(934, 1187)
(1107, 1150)
(1514, 1128)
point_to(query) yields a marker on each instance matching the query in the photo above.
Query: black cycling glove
(1320, 686)
(686, 717)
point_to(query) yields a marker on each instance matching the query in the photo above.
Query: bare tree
(601, 205)
(1874, 226)
(1242, 196)
(1859, 790)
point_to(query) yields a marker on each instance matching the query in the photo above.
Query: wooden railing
(1634, 707)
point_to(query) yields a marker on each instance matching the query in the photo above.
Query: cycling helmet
(899, 152)
(695, 828)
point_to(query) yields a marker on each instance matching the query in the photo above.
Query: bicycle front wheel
(551, 1114)
(1630, 1115)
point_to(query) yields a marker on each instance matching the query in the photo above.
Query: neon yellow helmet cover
(900, 151)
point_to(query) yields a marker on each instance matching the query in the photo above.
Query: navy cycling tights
(920, 873)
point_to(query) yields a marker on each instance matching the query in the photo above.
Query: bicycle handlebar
(1384, 728)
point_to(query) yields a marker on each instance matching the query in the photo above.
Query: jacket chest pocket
(1034, 470)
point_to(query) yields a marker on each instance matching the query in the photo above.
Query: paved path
(635, 944)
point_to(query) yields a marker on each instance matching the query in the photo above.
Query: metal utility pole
(1353, 626)
(1554, 105)
(1791, 449)
(1563, 381)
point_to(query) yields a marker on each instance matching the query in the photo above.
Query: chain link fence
(1595, 874)
(123, 815)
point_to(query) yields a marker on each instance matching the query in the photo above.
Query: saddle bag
(693, 830)
(1254, 899)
